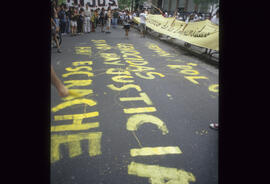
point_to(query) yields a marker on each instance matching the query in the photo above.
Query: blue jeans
(114, 21)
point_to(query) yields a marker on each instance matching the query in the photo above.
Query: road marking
(125, 87)
(214, 88)
(64, 105)
(122, 79)
(160, 175)
(79, 68)
(135, 121)
(73, 143)
(83, 51)
(143, 97)
(139, 110)
(89, 74)
(73, 83)
(149, 151)
(158, 50)
(192, 78)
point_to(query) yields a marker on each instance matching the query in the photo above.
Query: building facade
(187, 5)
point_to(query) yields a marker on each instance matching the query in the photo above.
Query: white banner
(94, 4)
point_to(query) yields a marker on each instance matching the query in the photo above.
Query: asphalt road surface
(139, 112)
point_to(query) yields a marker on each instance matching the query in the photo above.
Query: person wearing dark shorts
(126, 23)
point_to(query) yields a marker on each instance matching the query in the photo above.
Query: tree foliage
(127, 3)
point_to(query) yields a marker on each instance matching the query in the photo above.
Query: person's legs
(72, 27)
(86, 25)
(108, 25)
(114, 22)
(57, 43)
(75, 27)
(62, 90)
(67, 30)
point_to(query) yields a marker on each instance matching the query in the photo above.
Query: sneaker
(59, 51)
(214, 126)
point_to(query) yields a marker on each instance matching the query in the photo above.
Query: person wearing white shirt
(215, 19)
(143, 22)
(87, 14)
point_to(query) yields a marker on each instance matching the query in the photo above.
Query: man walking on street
(143, 22)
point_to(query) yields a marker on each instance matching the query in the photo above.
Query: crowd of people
(78, 20)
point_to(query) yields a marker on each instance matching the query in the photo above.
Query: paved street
(141, 114)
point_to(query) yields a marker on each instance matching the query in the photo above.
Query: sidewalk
(194, 50)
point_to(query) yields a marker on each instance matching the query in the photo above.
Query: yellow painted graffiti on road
(160, 175)
(148, 151)
(77, 122)
(214, 88)
(83, 51)
(74, 145)
(193, 75)
(158, 50)
(72, 141)
(135, 121)
(138, 117)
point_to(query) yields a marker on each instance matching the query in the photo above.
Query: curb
(205, 58)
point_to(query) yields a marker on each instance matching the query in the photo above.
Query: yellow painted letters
(149, 151)
(135, 121)
(160, 175)
(143, 96)
(73, 141)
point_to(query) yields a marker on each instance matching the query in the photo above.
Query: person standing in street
(87, 15)
(73, 22)
(93, 20)
(54, 35)
(80, 21)
(126, 23)
(63, 19)
(215, 18)
(67, 30)
(55, 17)
(115, 18)
(108, 20)
(143, 18)
(102, 19)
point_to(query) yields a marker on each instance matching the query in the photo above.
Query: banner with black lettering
(94, 4)
(203, 33)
